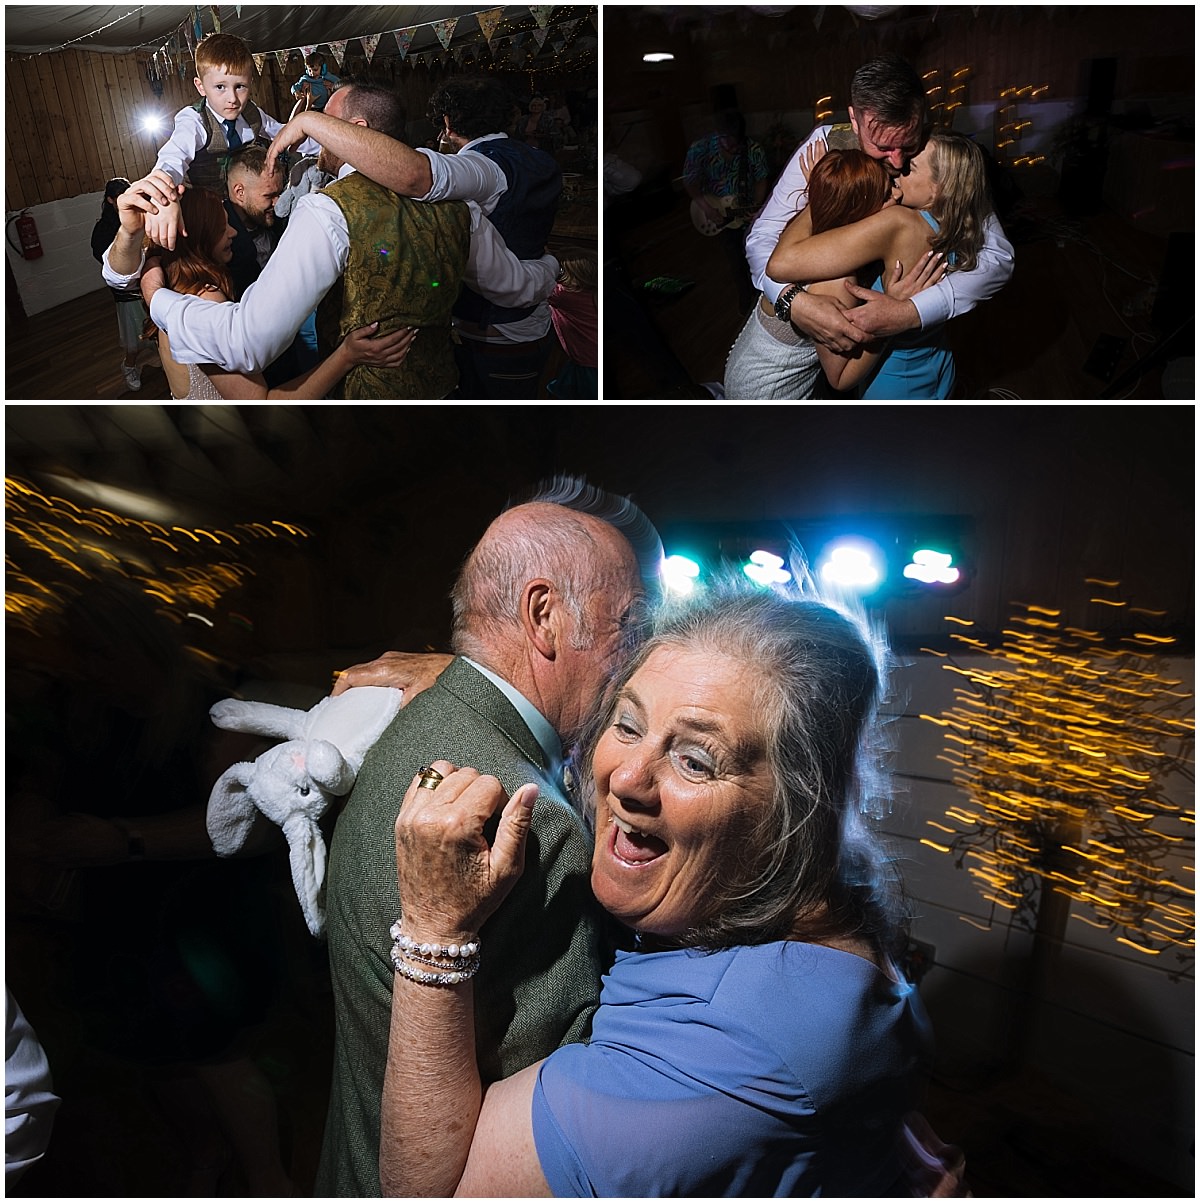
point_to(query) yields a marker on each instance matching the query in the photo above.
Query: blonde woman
(941, 214)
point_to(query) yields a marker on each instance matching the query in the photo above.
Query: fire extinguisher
(27, 231)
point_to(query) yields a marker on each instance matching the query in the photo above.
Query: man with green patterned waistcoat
(405, 267)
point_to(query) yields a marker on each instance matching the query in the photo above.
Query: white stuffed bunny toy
(294, 783)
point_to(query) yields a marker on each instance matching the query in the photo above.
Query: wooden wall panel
(18, 170)
(73, 121)
(782, 64)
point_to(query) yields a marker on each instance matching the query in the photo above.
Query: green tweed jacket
(542, 952)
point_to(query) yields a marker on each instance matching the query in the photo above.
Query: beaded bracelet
(424, 978)
(448, 951)
(453, 963)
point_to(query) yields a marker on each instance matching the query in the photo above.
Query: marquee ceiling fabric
(117, 29)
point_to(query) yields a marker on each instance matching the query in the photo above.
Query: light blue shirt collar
(537, 723)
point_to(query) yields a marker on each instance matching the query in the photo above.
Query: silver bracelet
(424, 978)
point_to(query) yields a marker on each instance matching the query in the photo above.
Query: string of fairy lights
(1066, 748)
(55, 548)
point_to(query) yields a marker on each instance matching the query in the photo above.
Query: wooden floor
(1075, 280)
(71, 353)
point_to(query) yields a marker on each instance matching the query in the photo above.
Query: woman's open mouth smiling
(632, 846)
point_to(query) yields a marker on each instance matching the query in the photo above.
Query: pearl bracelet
(452, 964)
(447, 951)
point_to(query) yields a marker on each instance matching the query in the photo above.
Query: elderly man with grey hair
(542, 610)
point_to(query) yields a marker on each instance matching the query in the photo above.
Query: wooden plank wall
(73, 119)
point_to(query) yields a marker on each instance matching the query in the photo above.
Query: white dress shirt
(466, 176)
(190, 137)
(475, 177)
(310, 257)
(958, 292)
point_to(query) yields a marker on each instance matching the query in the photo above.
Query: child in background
(573, 311)
(131, 313)
(225, 117)
(315, 86)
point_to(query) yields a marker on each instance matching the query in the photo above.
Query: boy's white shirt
(190, 137)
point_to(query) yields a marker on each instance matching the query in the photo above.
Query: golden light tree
(1066, 744)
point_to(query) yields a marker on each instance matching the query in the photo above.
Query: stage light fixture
(931, 567)
(679, 574)
(852, 564)
(766, 568)
(658, 56)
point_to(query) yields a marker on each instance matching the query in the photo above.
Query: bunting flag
(216, 17)
(541, 13)
(198, 24)
(281, 57)
(404, 39)
(237, 8)
(488, 21)
(445, 30)
(568, 28)
(369, 42)
(260, 61)
(308, 50)
(540, 35)
(339, 51)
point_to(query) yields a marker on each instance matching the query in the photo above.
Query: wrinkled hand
(823, 319)
(411, 672)
(451, 881)
(380, 350)
(812, 156)
(292, 134)
(927, 271)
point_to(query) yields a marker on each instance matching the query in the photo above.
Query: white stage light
(852, 564)
(679, 574)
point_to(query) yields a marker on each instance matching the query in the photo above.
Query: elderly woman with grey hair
(757, 1036)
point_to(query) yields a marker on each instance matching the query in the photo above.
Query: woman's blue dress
(917, 367)
(778, 1069)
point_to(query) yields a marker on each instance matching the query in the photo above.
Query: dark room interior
(1076, 1081)
(1086, 114)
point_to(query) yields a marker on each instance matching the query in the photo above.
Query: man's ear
(539, 616)
(237, 190)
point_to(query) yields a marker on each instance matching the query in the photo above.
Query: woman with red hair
(844, 186)
(197, 264)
